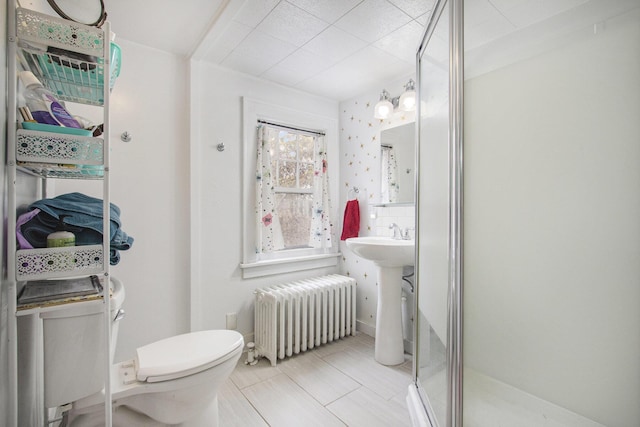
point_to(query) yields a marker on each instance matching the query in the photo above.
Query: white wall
(218, 287)
(150, 184)
(552, 237)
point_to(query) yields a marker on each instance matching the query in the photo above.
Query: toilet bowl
(173, 381)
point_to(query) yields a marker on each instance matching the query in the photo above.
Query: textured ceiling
(333, 48)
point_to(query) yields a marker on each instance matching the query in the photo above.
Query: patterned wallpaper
(360, 168)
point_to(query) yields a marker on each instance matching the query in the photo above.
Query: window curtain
(320, 231)
(389, 190)
(268, 231)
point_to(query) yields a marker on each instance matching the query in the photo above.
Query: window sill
(288, 265)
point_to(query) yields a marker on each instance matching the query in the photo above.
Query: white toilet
(173, 381)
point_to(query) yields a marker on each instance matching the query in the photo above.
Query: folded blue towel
(84, 220)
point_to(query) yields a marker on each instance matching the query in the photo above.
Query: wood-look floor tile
(364, 344)
(246, 375)
(362, 408)
(383, 380)
(333, 347)
(321, 380)
(401, 398)
(235, 410)
(407, 366)
(282, 403)
(364, 340)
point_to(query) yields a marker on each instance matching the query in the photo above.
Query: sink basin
(389, 255)
(383, 251)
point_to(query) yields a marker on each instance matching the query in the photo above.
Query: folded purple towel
(23, 219)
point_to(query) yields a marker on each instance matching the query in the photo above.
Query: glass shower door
(433, 216)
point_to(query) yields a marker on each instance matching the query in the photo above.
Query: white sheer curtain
(320, 230)
(268, 231)
(389, 170)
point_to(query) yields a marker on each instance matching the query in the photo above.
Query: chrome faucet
(400, 234)
(397, 233)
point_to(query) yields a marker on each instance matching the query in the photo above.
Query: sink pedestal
(389, 348)
(389, 255)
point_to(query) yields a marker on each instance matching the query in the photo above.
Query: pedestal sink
(389, 255)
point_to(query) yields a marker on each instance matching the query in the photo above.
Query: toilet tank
(74, 343)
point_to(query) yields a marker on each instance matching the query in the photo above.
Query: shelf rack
(73, 61)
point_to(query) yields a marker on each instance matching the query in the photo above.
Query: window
(292, 169)
(389, 175)
(292, 201)
(285, 197)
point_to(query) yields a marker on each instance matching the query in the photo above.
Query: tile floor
(335, 384)
(340, 384)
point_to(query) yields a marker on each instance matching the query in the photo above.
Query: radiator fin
(297, 316)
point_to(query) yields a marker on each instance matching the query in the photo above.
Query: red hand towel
(351, 225)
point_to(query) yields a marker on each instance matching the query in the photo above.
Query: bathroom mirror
(397, 164)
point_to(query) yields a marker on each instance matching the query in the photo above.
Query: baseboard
(365, 328)
(408, 346)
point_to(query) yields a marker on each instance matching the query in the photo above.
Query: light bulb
(408, 101)
(408, 98)
(383, 109)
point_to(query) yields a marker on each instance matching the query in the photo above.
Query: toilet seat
(185, 354)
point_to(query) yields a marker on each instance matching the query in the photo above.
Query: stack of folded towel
(84, 219)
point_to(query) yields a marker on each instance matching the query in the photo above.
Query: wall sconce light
(384, 107)
(408, 98)
(405, 102)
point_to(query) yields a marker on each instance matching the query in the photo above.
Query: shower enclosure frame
(420, 408)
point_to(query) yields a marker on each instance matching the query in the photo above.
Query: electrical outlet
(232, 321)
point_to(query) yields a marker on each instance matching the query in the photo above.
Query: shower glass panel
(551, 214)
(433, 211)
